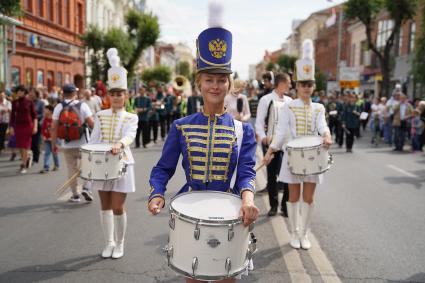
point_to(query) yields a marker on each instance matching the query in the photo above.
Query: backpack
(70, 127)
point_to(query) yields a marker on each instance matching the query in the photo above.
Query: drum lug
(289, 151)
(172, 222)
(197, 232)
(252, 246)
(330, 160)
(106, 157)
(169, 252)
(302, 153)
(320, 168)
(90, 156)
(106, 175)
(89, 175)
(194, 265)
(318, 151)
(120, 156)
(228, 265)
(230, 233)
(304, 171)
(290, 169)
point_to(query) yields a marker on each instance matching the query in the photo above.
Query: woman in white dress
(117, 127)
(303, 118)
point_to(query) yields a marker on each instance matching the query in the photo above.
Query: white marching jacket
(301, 119)
(110, 127)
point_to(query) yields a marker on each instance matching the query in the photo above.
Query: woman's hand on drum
(155, 205)
(248, 212)
(268, 157)
(327, 141)
(117, 148)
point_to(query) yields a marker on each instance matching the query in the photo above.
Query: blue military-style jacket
(210, 152)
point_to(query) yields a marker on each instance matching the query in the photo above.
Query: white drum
(273, 117)
(306, 156)
(207, 240)
(99, 164)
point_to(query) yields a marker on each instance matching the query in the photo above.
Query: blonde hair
(198, 81)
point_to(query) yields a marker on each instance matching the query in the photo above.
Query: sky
(256, 25)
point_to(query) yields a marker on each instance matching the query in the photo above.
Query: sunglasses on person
(306, 84)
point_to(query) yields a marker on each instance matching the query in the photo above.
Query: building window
(384, 31)
(80, 18)
(49, 9)
(59, 12)
(40, 11)
(16, 76)
(59, 79)
(67, 20)
(40, 78)
(50, 80)
(67, 78)
(29, 78)
(28, 5)
(412, 36)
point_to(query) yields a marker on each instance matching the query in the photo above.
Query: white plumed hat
(304, 67)
(117, 75)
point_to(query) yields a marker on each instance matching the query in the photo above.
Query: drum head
(210, 206)
(303, 142)
(97, 147)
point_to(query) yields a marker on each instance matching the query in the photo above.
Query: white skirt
(287, 177)
(125, 184)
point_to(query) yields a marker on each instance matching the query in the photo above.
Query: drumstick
(259, 167)
(65, 186)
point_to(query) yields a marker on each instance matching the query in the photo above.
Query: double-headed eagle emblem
(115, 78)
(307, 69)
(217, 48)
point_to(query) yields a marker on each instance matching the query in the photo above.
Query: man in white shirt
(282, 87)
(71, 149)
(5, 109)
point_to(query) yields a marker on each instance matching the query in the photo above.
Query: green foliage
(419, 59)
(10, 8)
(366, 11)
(286, 62)
(157, 74)
(183, 69)
(320, 80)
(141, 31)
(270, 66)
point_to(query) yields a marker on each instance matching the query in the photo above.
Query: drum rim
(191, 219)
(300, 137)
(209, 277)
(312, 174)
(82, 149)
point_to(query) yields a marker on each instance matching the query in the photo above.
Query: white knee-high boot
(293, 215)
(306, 213)
(120, 222)
(107, 221)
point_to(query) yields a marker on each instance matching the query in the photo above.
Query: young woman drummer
(302, 117)
(207, 140)
(117, 127)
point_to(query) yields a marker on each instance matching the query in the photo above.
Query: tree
(93, 39)
(142, 31)
(10, 8)
(157, 74)
(286, 62)
(419, 59)
(366, 11)
(270, 66)
(183, 69)
(320, 79)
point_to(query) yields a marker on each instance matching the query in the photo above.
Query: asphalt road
(369, 225)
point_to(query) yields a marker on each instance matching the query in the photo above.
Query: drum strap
(239, 137)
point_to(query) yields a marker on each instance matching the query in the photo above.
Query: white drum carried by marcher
(272, 118)
(207, 239)
(99, 164)
(306, 156)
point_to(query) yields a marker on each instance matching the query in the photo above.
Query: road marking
(402, 171)
(292, 259)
